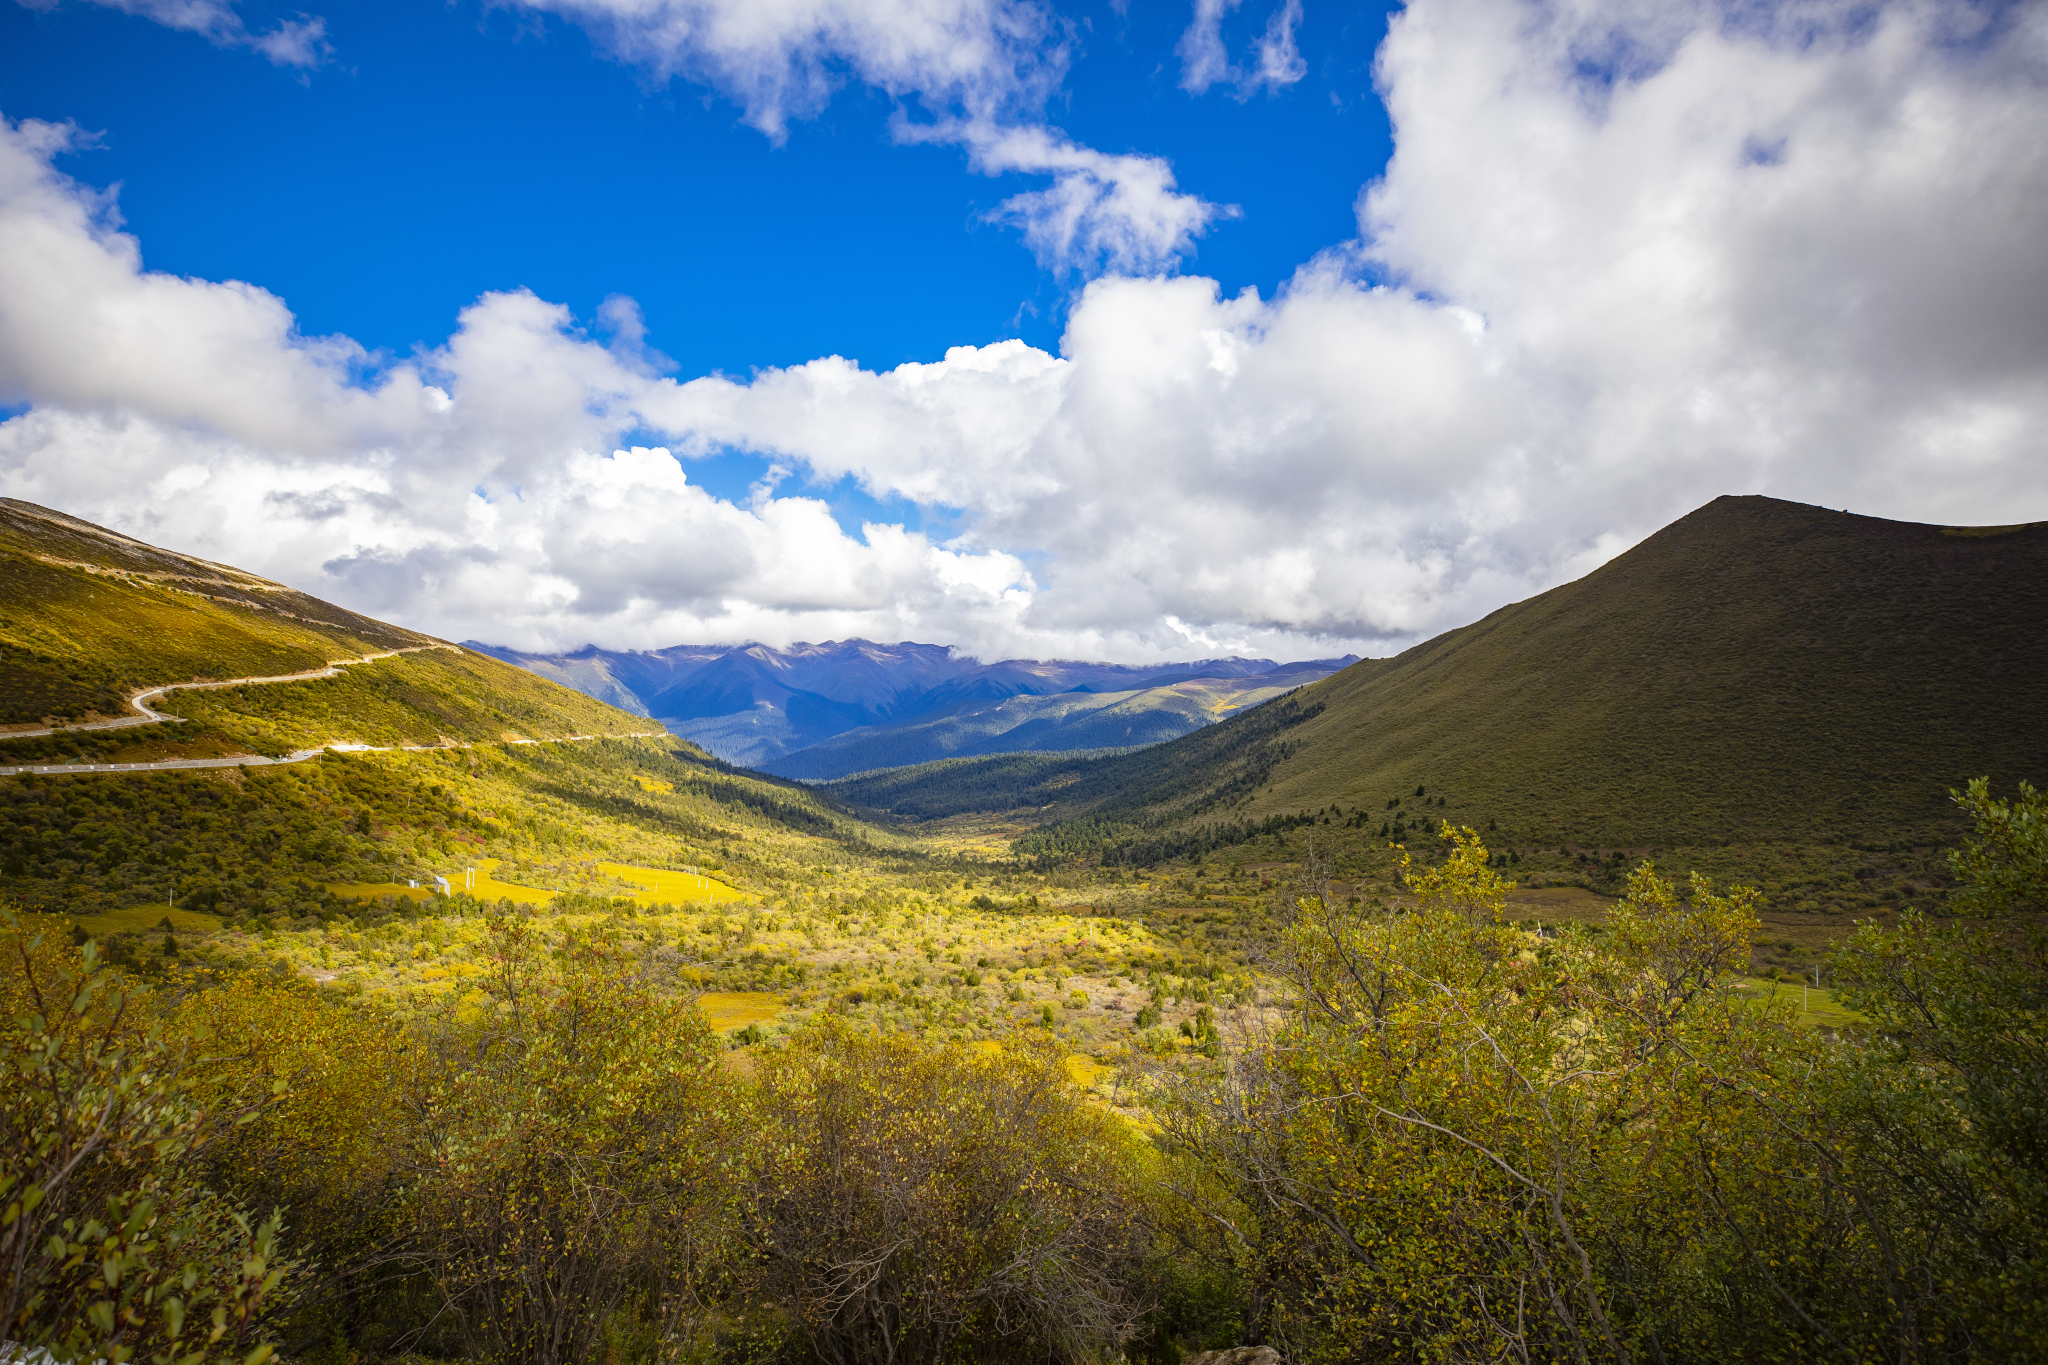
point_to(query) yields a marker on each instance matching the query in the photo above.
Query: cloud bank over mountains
(1626, 257)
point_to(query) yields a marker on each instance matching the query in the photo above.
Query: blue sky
(437, 152)
(445, 150)
(1120, 331)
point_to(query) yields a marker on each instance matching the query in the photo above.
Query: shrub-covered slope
(245, 841)
(1759, 669)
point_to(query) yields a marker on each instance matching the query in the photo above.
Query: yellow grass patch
(1081, 1068)
(1085, 1070)
(146, 917)
(489, 888)
(673, 888)
(658, 886)
(1813, 1006)
(729, 1010)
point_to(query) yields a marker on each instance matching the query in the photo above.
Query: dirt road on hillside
(296, 756)
(151, 716)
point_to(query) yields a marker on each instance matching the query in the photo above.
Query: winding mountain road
(150, 716)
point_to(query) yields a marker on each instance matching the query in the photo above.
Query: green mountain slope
(1758, 670)
(88, 616)
(92, 616)
(433, 696)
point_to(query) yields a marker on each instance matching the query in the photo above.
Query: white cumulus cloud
(294, 42)
(1120, 213)
(783, 59)
(1625, 259)
(1205, 60)
(981, 71)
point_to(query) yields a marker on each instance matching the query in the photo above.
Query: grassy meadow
(781, 907)
(752, 887)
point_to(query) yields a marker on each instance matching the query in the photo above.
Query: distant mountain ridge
(1061, 722)
(759, 706)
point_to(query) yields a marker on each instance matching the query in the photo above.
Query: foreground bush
(1473, 1142)
(332, 1145)
(112, 1246)
(574, 1151)
(1465, 1141)
(1943, 1111)
(925, 1202)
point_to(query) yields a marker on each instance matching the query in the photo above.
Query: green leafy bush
(112, 1247)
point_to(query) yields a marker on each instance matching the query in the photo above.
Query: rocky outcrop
(1237, 1355)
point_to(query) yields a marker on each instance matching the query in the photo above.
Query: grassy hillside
(87, 616)
(1759, 670)
(431, 697)
(265, 841)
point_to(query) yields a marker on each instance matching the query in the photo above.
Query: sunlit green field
(1812, 1006)
(145, 917)
(929, 964)
(729, 1010)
